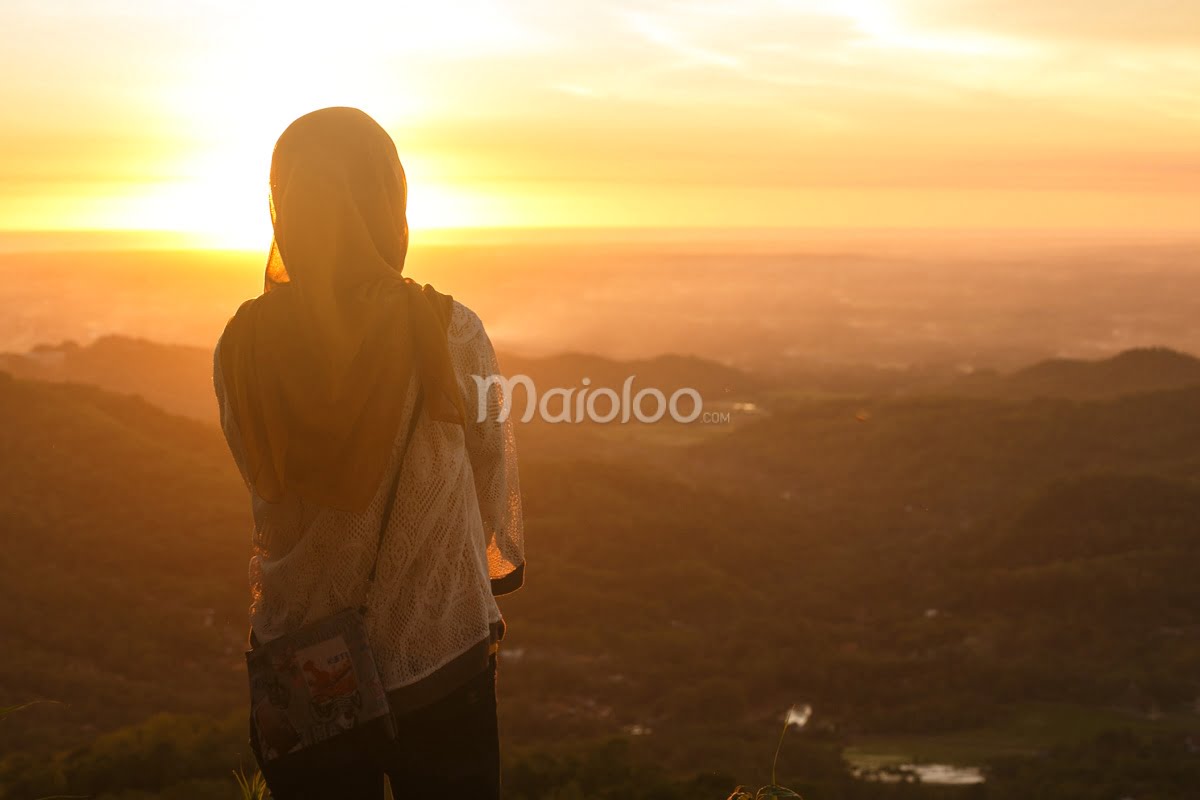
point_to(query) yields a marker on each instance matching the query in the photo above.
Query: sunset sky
(146, 115)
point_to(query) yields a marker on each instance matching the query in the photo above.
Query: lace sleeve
(491, 448)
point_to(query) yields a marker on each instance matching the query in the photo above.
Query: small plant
(798, 716)
(254, 787)
(6, 710)
(765, 793)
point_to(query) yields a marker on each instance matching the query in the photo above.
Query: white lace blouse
(455, 538)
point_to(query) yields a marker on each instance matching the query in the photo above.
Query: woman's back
(455, 531)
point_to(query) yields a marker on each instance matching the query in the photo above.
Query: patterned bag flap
(314, 684)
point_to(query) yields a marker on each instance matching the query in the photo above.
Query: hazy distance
(766, 300)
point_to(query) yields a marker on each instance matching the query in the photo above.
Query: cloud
(666, 37)
(575, 90)
(1151, 22)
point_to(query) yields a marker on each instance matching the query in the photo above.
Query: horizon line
(80, 239)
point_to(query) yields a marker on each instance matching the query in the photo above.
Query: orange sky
(148, 115)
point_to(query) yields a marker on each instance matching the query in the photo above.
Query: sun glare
(256, 80)
(521, 113)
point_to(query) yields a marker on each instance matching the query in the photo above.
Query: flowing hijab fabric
(317, 368)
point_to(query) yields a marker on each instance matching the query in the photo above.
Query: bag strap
(391, 495)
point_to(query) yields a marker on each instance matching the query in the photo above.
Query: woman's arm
(491, 448)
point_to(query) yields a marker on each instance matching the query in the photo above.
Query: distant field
(1027, 730)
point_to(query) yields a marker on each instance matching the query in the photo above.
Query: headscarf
(317, 368)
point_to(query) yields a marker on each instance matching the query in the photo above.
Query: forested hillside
(912, 566)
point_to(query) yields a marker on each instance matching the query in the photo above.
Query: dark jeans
(450, 748)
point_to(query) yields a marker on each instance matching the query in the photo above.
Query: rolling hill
(125, 531)
(1146, 369)
(690, 589)
(1152, 369)
(178, 378)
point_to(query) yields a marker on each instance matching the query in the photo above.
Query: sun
(223, 201)
(266, 69)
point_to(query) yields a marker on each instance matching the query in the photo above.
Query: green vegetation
(987, 580)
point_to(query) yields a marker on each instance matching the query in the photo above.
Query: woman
(318, 380)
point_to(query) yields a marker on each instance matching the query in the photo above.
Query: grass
(253, 787)
(6, 710)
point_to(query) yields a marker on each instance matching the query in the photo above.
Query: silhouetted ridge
(667, 373)
(179, 377)
(1132, 371)
(175, 377)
